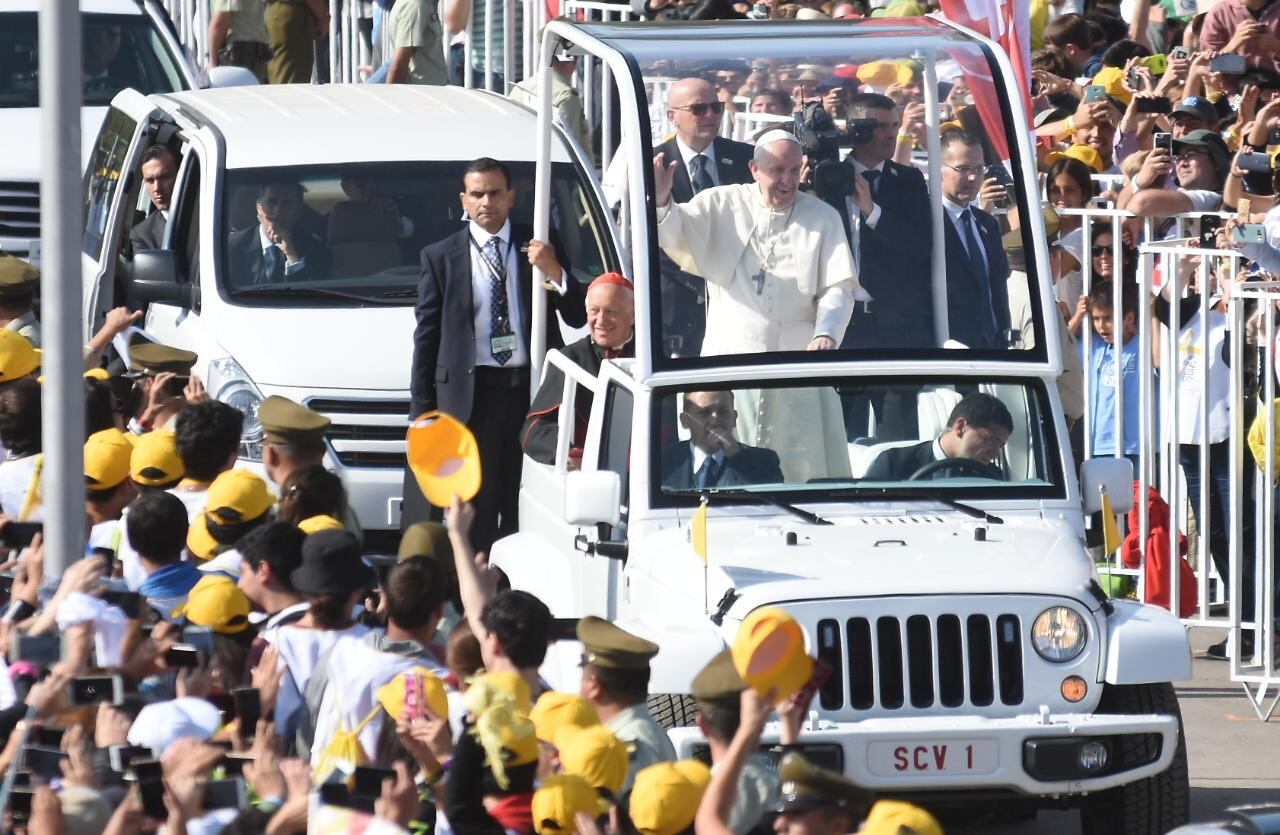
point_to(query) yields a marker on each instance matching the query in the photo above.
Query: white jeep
(974, 656)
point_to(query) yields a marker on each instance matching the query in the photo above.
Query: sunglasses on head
(702, 108)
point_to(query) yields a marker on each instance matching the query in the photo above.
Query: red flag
(1007, 22)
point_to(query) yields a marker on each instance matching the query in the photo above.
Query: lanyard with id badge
(502, 340)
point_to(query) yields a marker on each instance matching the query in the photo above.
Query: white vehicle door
(174, 324)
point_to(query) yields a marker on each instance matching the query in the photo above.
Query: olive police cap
(17, 276)
(152, 358)
(286, 422)
(803, 786)
(719, 680)
(605, 645)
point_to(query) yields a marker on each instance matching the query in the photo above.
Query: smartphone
(182, 656)
(1158, 63)
(944, 89)
(124, 756)
(1162, 140)
(1159, 104)
(90, 690)
(176, 387)
(803, 697)
(1273, 138)
(1255, 162)
(16, 535)
(200, 637)
(1249, 233)
(1095, 92)
(337, 794)
(20, 803)
(1229, 64)
(129, 602)
(152, 791)
(233, 764)
(1179, 53)
(1209, 231)
(43, 762)
(42, 650)
(6, 586)
(1134, 80)
(368, 780)
(141, 771)
(45, 736)
(248, 708)
(224, 794)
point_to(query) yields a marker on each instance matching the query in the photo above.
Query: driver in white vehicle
(977, 430)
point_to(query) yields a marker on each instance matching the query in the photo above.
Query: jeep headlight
(229, 383)
(1059, 634)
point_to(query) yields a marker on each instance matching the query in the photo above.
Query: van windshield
(858, 436)
(351, 235)
(120, 51)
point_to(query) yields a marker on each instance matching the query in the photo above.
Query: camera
(829, 177)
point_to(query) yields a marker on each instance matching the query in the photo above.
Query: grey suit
(149, 234)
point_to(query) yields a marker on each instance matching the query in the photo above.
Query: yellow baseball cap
(313, 524)
(18, 357)
(886, 73)
(1112, 78)
(1082, 153)
(556, 710)
(486, 689)
(97, 374)
(235, 498)
(444, 458)
(889, 817)
(217, 603)
(594, 754)
(665, 796)
(392, 694)
(769, 653)
(156, 461)
(560, 798)
(106, 459)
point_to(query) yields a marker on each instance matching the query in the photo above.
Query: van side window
(103, 177)
(615, 444)
(185, 238)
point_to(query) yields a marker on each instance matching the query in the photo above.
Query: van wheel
(673, 710)
(1147, 807)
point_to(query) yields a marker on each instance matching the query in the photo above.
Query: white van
(381, 168)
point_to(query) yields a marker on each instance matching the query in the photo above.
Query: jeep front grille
(19, 209)
(365, 433)
(921, 661)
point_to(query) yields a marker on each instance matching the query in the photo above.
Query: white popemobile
(974, 655)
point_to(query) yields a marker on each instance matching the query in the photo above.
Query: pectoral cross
(758, 281)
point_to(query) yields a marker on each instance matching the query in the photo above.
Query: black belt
(494, 377)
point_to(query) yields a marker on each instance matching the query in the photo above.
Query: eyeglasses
(702, 108)
(1099, 251)
(1188, 156)
(966, 170)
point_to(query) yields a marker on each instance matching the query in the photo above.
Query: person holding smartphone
(1199, 161)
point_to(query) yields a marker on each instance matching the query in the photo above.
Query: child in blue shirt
(1101, 369)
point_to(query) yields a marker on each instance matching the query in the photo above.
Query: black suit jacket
(895, 265)
(752, 465)
(541, 426)
(444, 341)
(149, 234)
(730, 159)
(900, 463)
(965, 298)
(249, 268)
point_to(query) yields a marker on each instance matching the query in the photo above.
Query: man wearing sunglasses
(703, 159)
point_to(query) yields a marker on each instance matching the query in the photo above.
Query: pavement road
(1231, 753)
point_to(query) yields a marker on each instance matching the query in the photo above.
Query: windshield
(829, 243)
(356, 231)
(963, 436)
(120, 51)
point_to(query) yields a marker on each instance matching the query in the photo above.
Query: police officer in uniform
(718, 692)
(615, 680)
(815, 801)
(147, 362)
(18, 283)
(293, 439)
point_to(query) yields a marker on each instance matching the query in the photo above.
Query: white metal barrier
(747, 125)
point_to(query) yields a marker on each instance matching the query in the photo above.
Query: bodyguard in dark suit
(977, 429)
(159, 173)
(977, 267)
(712, 457)
(282, 246)
(703, 160)
(471, 344)
(888, 221)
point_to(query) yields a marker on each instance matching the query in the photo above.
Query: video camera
(829, 177)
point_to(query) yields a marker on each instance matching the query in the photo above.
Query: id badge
(502, 343)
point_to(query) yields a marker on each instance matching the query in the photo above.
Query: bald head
(611, 314)
(694, 111)
(776, 169)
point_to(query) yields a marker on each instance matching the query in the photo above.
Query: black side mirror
(155, 279)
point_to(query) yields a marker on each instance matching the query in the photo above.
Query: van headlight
(229, 383)
(1059, 634)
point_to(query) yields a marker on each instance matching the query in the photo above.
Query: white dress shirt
(687, 154)
(700, 455)
(481, 303)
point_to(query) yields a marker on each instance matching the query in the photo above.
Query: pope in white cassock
(780, 277)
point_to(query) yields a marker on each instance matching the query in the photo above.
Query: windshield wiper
(300, 291)
(721, 495)
(871, 494)
(399, 294)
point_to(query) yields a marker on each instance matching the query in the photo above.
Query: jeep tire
(673, 710)
(1151, 806)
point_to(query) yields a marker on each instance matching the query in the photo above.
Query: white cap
(161, 724)
(1073, 243)
(776, 135)
(228, 563)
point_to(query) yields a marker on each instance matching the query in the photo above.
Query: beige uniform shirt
(28, 325)
(247, 20)
(646, 741)
(757, 793)
(565, 100)
(416, 24)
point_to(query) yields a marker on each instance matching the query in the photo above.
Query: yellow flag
(698, 532)
(1110, 532)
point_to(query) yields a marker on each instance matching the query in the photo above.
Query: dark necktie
(275, 263)
(709, 473)
(499, 315)
(978, 266)
(871, 174)
(700, 177)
